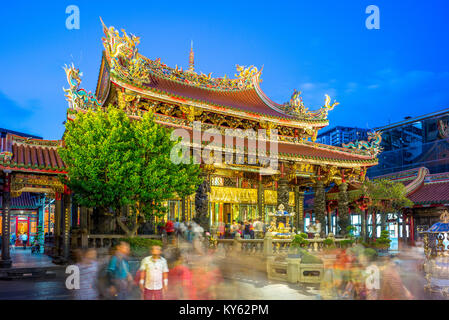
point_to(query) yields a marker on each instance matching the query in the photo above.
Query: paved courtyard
(253, 285)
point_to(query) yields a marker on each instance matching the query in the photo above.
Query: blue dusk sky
(318, 47)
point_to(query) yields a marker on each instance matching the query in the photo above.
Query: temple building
(244, 187)
(29, 185)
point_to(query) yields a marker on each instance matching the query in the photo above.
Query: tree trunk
(129, 232)
(363, 227)
(383, 221)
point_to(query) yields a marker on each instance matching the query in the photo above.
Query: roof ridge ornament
(444, 218)
(295, 107)
(372, 145)
(78, 97)
(191, 58)
(127, 63)
(123, 54)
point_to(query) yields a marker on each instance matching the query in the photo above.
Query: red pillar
(412, 230)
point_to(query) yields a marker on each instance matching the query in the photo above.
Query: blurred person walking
(251, 229)
(392, 287)
(169, 228)
(221, 230)
(258, 229)
(246, 230)
(180, 278)
(119, 277)
(24, 238)
(182, 228)
(234, 228)
(88, 267)
(13, 242)
(154, 275)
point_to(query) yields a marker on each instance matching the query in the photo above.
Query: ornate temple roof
(135, 82)
(34, 155)
(127, 68)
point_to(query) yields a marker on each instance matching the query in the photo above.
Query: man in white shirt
(153, 275)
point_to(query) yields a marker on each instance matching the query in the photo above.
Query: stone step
(28, 273)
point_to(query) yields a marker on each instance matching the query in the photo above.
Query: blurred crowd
(187, 268)
(352, 274)
(182, 269)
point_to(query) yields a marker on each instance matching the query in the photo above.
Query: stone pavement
(25, 259)
(240, 286)
(36, 289)
(28, 265)
(54, 289)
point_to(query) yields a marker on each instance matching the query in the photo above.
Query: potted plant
(299, 242)
(382, 243)
(329, 244)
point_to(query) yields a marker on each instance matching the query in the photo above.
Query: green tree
(385, 196)
(113, 161)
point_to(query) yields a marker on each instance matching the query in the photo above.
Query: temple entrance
(22, 228)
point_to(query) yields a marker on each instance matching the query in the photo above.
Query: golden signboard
(35, 183)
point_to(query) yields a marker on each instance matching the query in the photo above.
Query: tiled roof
(320, 152)
(423, 188)
(309, 151)
(412, 179)
(26, 200)
(431, 193)
(247, 100)
(31, 154)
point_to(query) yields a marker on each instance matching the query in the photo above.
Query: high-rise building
(339, 135)
(415, 142)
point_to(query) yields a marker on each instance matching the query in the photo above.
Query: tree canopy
(386, 195)
(113, 161)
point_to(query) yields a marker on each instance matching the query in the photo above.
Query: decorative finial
(191, 58)
(445, 217)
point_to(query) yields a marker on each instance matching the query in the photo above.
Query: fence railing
(271, 246)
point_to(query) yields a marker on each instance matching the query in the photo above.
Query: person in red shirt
(181, 278)
(169, 227)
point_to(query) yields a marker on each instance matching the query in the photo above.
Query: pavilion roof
(30, 155)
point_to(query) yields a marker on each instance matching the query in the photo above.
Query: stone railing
(269, 246)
